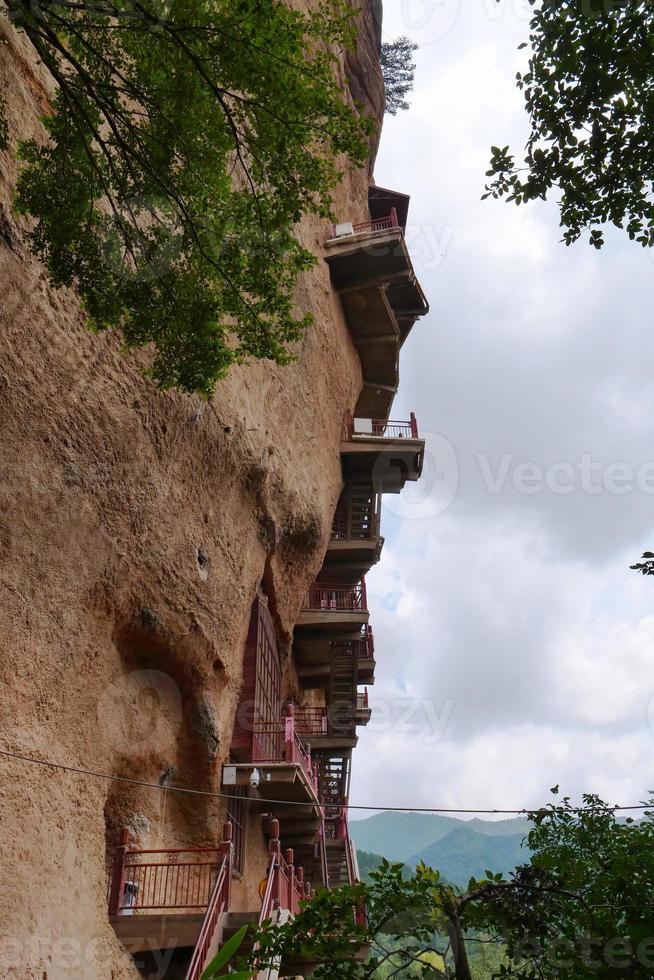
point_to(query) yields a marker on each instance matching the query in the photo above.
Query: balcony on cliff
(372, 271)
(318, 659)
(355, 543)
(268, 759)
(334, 611)
(334, 726)
(271, 758)
(179, 901)
(383, 453)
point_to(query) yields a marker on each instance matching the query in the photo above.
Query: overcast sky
(514, 646)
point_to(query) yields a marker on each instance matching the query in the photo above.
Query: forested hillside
(458, 849)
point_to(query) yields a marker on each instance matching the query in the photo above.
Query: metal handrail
(363, 649)
(207, 940)
(381, 428)
(285, 887)
(363, 702)
(311, 721)
(278, 741)
(139, 884)
(332, 598)
(373, 226)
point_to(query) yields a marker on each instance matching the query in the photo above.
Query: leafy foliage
(399, 71)
(589, 94)
(185, 143)
(646, 566)
(581, 909)
(224, 956)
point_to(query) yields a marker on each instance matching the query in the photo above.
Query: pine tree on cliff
(185, 142)
(399, 71)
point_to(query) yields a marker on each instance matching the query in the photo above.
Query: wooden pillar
(118, 874)
(414, 426)
(275, 850)
(289, 733)
(289, 857)
(227, 851)
(394, 221)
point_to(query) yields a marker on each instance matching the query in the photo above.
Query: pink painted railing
(152, 880)
(322, 838)
(363, 702)
(285, 887)
(347, 598)
(374, 226)
(340, 525)
(279, 741)
(207, 944)
(366, 645)
(363, 649)
(311, 721)
(380, 429)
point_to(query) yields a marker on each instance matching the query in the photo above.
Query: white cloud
(515, 609)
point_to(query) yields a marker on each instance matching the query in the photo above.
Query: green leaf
(179, 231)
(224, 955)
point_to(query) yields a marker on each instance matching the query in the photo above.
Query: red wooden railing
(340, 524)
(357, 514)
(207, 944)
(362, 700)
(279, 741)
(311, 721)
(285, 887)
(363, 649)
(149, 880)
(366, 645)
(322, 844)
(374, 226)
(331, 598)
(379, 428)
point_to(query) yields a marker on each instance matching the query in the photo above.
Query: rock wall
(135, 529)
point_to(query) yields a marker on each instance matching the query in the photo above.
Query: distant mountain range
(459, 849)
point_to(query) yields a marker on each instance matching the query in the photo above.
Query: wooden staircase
(337, 864)
(333, 781)
(363, 499)
(342, 697)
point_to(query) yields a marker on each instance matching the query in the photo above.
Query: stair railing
(210, 933)
(285, 887)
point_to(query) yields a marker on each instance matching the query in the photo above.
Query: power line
(225, 796)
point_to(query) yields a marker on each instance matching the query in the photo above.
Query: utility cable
(347, 806)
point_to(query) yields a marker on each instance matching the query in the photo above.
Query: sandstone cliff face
(135, 529)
